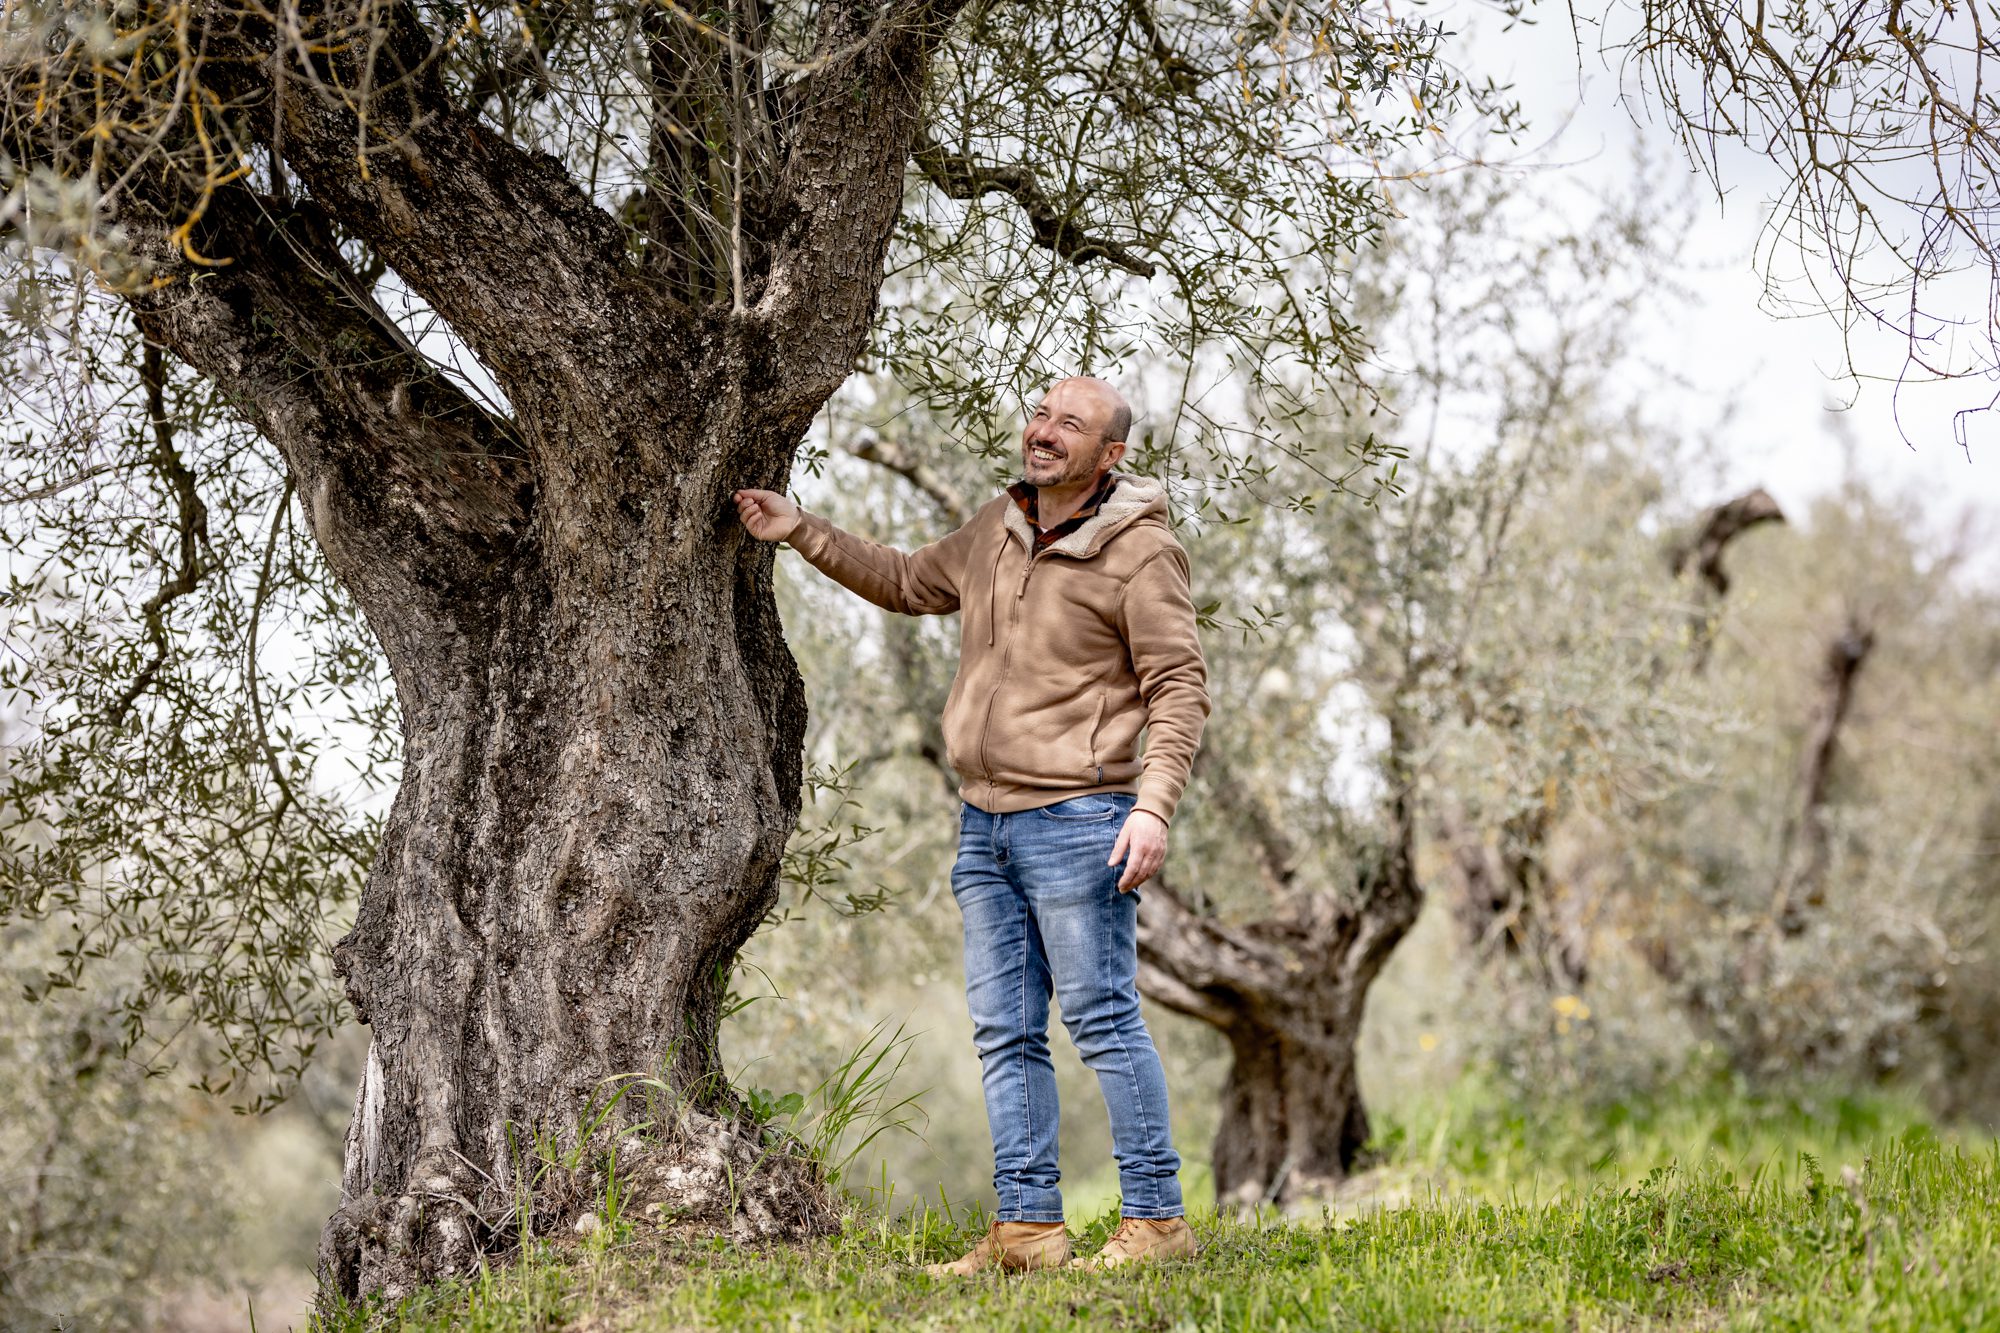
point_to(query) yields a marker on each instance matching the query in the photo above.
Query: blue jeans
(1043, 914)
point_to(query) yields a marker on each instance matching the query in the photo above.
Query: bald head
(1115, 414)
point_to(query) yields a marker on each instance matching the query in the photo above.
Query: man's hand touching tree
(769, 515)
(1142, 845)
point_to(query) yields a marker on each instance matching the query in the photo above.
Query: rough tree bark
(601, 723)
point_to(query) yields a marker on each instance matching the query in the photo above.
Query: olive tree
(461, 322)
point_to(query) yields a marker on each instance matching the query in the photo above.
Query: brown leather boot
(1142, 1240)
(1014, 1246)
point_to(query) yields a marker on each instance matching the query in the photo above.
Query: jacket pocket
(952, 726)
(1095, 772)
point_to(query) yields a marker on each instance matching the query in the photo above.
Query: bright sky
(1784, 372)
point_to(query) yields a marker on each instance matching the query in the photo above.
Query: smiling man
(1076, 634)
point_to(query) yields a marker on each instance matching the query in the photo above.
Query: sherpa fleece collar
(1132, 499)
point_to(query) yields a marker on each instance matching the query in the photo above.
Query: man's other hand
(1144, 836)
(769, 515)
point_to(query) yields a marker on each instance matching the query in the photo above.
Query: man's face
(1063, 442)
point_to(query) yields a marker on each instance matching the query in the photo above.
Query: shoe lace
(1128, 1229)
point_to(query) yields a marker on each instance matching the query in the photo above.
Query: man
(1076, 632)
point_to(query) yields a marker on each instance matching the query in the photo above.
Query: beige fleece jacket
(1065, 657)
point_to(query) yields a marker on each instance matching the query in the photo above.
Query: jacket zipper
(1006, 665)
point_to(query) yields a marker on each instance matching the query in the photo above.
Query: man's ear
(1113, 452)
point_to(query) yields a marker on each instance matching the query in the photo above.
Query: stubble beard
(1066, 471)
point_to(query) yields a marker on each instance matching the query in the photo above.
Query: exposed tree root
(709, 1175)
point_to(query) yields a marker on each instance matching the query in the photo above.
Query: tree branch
(903, 460)
(960, 177)
(1163, 987)
(191, 524)
(1203, 954)
(704, 211)
(1802, 868)
(1180, 965)
(1182, 77)
(348, 96)
(497, 239)
(1720, 525)
(415, 493)
(852, 122)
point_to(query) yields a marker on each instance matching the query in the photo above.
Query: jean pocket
(1087, 809)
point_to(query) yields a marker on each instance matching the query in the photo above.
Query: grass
(1708, 1208)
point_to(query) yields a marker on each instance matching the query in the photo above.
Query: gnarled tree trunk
(1802, 860)
(1504, 901)
(1295, 1120)
(599, 780)
(1288, 992)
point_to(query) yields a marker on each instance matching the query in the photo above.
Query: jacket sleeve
(924, 582)
(1156, 616)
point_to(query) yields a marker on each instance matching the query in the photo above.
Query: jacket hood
(1133, 499)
